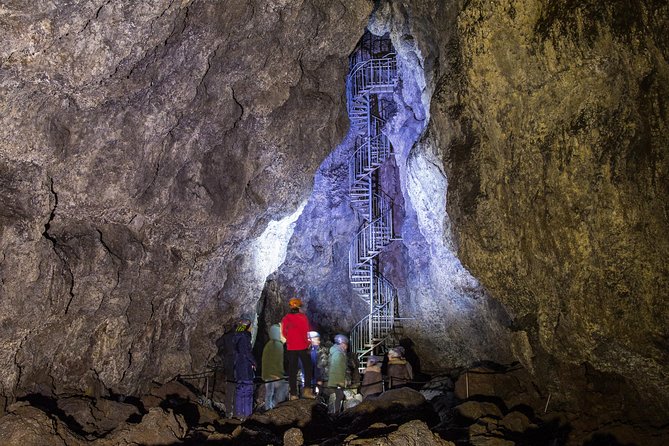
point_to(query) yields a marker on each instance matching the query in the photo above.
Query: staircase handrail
(358, 66)
(376, 150)
(387, 63)
(362, 327)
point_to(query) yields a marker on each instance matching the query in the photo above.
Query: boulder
(514, 386)
(516, 422)
(96, 416)
(293, 437)
(393, 406)
(157, 427)
(413, 433)
(482, 440)
(291, 413)
(25, 425)
(474, 410)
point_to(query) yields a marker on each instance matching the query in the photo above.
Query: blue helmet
(341, 339)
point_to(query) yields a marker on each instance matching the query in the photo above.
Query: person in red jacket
(294, 327)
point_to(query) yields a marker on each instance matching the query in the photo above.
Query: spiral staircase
(372, 76)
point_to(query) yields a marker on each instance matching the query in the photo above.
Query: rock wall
(551, 122)
(144, 146)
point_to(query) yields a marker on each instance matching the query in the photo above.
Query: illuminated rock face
(145, 149)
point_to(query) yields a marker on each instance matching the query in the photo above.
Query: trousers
(275, 392)
(244, 399)
(293, 367)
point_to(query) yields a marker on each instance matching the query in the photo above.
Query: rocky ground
(488, 405)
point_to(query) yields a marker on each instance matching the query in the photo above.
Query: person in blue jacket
(245, 365)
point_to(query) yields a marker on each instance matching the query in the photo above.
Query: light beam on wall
(269, 249)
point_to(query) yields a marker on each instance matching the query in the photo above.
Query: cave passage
(370, 252)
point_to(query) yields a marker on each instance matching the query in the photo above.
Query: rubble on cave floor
(482, 406)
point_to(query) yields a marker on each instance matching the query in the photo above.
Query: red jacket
(294, 327)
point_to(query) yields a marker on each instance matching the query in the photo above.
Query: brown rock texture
(550, 122)
(144, 146)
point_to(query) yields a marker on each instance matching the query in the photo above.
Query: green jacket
(337, 367)
(272, 355)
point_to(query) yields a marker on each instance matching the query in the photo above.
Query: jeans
(275, 392)
(293, 367)
(334, 402)
(244, 399)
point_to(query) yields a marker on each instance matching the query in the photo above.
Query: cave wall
(144, 149)
(550, 119)
(144, 146)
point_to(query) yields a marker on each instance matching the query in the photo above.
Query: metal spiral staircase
(372, 75)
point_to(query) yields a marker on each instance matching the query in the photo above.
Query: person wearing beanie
(272, 368)
(372, 383)
(294, 327)
(245, 365)
(399, 370)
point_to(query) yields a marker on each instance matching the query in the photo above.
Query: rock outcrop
(550, 124)
(145, 146)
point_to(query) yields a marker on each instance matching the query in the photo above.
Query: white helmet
(313, 334)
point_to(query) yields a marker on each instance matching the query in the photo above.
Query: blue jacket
(244, 360)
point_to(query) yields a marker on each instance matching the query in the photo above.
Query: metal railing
(371, 76)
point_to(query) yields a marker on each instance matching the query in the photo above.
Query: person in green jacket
(338, 363)
(272, 368)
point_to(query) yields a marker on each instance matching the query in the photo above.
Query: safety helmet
(373, 360)
(341, 339)
(295, 302)
(313, 334)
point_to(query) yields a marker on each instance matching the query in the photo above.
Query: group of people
(326, 372)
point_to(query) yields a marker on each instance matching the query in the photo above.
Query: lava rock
(156, 427)
(473, 410)
(514, 386)
(516, 422)
(293, 437)
(25, 425)
(97, 416)
(412, 433)
(392, 406)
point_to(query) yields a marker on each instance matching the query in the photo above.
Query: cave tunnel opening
(370, 253)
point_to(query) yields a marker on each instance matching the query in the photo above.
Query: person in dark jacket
(372, 383)
(245, 365)
(294, 327)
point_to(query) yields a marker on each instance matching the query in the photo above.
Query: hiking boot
(308, 393)
(294, 397)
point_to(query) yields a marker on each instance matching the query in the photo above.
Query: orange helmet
(295, 303)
